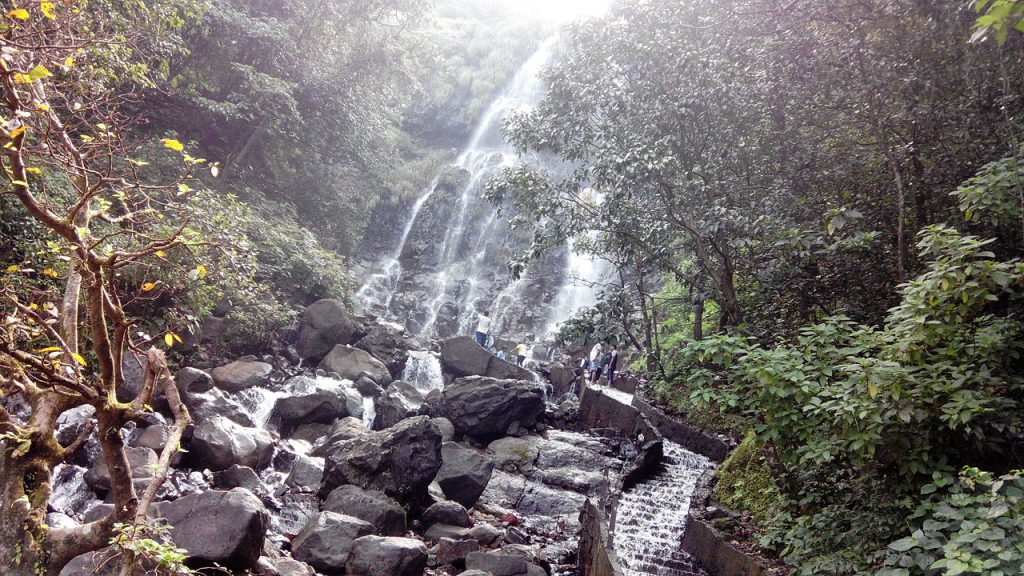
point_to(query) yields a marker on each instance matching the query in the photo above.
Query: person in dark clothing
(612, 359)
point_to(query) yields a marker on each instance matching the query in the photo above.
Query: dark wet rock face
(326, 541)
(373, 506)
(388, 343)
(400, 401)
(351, 363)
(387, 556)
(325, 324)
(312, 400)
(400, 461)
(464, 473)
(485, 408)
(226, 528)
(462, 356)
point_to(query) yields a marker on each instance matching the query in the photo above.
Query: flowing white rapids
(423, 371)
(651, 517)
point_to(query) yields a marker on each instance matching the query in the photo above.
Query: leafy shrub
(975, 527)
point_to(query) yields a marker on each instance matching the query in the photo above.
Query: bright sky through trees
(558, 10)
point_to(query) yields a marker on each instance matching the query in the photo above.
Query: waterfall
(379, 288)
(423, 371)
(442, 295)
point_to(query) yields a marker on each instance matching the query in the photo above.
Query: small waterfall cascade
(423, 371)
(379, 287)
(582, 273)
(651, 517)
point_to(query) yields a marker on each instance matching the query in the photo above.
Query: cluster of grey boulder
(389, 499)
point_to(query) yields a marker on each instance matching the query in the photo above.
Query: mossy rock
(745, 481)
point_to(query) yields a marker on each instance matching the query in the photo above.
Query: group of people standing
(601, 361)
(485, 340)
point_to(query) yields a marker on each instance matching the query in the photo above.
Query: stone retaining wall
(691, 437)
(639, 420)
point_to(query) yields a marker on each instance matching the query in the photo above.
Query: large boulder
(193, 381)
(388, 343)
(217, 443)
(400, 461)
(226, 528)
(315, 400)
(325, 324)
(400, 401)
(387, 556)
(485, 408)
(203, 406)
(372, 506)
(464, 473)
(306, 473)
(349, 363)
(237, 476)
(326, 541)
(462, 356)
(445, 512)
(142, 461)
(239, 375)
(344, 429)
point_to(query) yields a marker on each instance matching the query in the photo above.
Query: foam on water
(651, 517)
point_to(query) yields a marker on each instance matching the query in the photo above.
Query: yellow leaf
(47, 9)
(39, 72)
(33, 170)
(160, 253)
(19, 183)
(169, 339)
(184, 188)
(872, 389)
(78, 358)
(69, 62)
(49, 349)
(18, 13)
(18, 131)
(43, 107)
(201, 270)
(50, 272)
(177, 338)
(148, 286)
(12, 269)
(173, 144)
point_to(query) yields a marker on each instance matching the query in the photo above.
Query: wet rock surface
(400, 461)
(356, 472)
(325, 324)
(486, 408)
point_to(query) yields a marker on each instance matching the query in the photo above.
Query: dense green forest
(815, 212)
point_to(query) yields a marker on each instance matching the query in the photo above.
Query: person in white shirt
(595, 361)
(483, 328)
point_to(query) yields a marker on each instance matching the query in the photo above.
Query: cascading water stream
(379, 288)
(423, 371)
(651, 517)
(462, 278)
